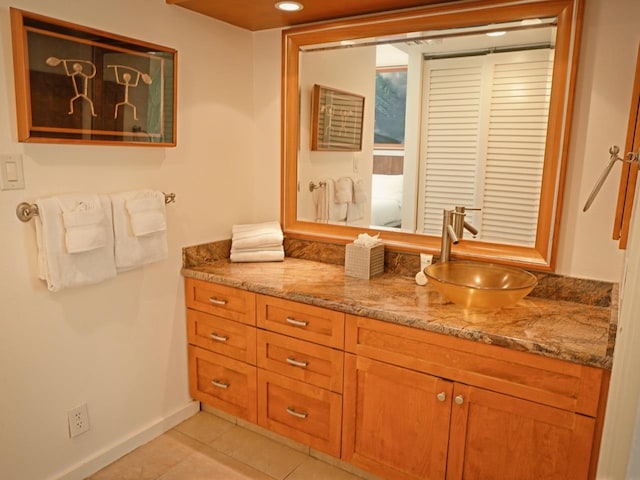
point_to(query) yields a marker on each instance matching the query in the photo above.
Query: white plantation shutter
(504, 174)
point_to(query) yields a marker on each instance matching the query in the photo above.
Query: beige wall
(120, 345)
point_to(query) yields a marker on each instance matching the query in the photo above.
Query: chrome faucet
(453, 226)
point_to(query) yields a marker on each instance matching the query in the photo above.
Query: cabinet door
(495, 436)
(395, 420)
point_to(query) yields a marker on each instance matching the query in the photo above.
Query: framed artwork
(75, 84)
(336, 123)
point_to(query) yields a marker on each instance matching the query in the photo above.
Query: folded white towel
(344, 190)
(337, 211)
(321, 202)
(147, 213)
(258, 256)
(133, 250)
(56, 266)
(359, 193)
(254, 250)
(84, 222)
(256, 236)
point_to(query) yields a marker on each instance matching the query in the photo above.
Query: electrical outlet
(78, 420)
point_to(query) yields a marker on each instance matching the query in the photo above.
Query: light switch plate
(11, 172)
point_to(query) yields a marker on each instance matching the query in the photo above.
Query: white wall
(120, 346)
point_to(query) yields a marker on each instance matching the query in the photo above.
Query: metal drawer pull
(218, 338)
(297, 363)
(296, 323)
(459, 399)
(217, 301)
(291, 411)
(219, 384)
(441, 396)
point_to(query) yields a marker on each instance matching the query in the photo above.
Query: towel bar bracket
(26, 211)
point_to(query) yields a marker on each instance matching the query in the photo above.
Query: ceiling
(262, 14)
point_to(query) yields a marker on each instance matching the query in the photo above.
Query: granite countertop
(572, 331)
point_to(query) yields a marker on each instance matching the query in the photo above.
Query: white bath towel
(344, 190)
(131, 250)
(84, 222)
(56, 266)
(321, 202)
(337, 211)
(272, 255)
(256, 235)
(147, 213)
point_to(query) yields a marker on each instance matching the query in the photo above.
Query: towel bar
(314, 186)
(26, 211)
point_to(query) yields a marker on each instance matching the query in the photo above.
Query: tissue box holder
(363, 262)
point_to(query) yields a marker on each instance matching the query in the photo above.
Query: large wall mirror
(389, 120)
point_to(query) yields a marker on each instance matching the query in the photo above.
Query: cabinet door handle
(441, 396)
(459, 399)
(217, 301)
(218, 338)
(296, 323)
(292, 411)
(219, 384)
(297, 363)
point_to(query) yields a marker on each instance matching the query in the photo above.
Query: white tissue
(366, 240)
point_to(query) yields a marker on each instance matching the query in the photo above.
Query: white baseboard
(123, 446)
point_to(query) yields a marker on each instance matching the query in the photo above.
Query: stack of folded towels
(257, 242)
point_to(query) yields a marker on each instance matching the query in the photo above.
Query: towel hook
(614, 150)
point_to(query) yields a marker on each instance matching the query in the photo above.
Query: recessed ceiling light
(289, 6)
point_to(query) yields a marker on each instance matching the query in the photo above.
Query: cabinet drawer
(301, 360)
(303, 412)
(549, 381)
(223, 336)
(223, 383)
(220, 300)
(307, 322)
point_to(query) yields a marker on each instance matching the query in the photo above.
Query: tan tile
(313, 469)
(204, 427)
(336, 462)
(259, 452)
(150, 460)
(209, 464)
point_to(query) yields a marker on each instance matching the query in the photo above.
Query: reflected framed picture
(75, 84)
(336, 122)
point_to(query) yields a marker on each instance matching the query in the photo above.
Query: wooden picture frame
(337, 119)
(75, 84)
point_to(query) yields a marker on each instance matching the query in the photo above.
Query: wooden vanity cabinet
(423, 405)
(300, 366)
(222, 347)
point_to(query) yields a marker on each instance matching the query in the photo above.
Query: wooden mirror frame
(443, 16)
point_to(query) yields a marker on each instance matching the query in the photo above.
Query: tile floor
(210, 447)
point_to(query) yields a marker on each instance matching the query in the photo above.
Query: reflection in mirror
(452, 116)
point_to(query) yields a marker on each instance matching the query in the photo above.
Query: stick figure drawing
(129, 77)
(80, 71)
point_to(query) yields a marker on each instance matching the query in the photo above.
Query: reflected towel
(337, 211)
(56, 266)
(321, 202)
(84, 222)
(359, 192)
(131, 250)
(344, 190)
